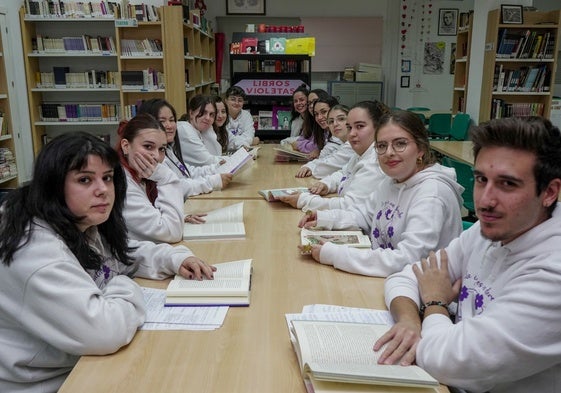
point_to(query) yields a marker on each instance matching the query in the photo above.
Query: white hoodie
(325, 166)
(404, 220)
(354, 183)
(507, 336)
(193, 148)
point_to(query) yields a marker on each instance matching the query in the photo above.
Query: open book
(230, 287)
(354, 238)
(236, 161)
(287, 153)
(223, 223)
(341, 352)
(273, 195)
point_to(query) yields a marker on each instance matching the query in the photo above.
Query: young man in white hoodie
(505, 273)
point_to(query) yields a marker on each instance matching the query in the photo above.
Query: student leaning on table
(195, 149)
(505, 273)
(154, 204)
(67, 264)
(240, 123)
(342, 151)
(194, 180)
(413, 210)
(360, 176)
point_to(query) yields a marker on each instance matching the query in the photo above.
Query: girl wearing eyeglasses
(342, 152)
(414, 210)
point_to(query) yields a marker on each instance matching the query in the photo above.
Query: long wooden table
(251, 352)
(458, 150)
(262, 174)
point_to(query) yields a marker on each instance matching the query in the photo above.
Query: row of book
(3, 124)
(280, 45)
(82, 44)
(79, 112)
(278, 65)
(148, 79)
(525, 44)
(145, 47)
(8, 166)
(500, 108)
(62, 78)
(91, 9)
(523, 79)
(70, 8)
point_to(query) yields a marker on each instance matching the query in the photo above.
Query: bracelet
(432, 303)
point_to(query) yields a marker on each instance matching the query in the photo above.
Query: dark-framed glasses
(398, 145)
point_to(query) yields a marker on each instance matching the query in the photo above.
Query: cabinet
(114, 65)
(519, 65)
(349, 93)
(461, 66)
(269, 79)
(8, 167)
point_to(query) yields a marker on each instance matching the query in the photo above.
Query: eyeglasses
(338, 119)
(398, 145)
(239, 100)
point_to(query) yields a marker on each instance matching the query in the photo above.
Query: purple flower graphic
(478, 301)
(388, 212)
(390, 231)
(390, 246)
(376, 233)
(106, 271)
(464, 293)
(379, 215)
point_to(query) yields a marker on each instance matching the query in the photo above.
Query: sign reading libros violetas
(269, 87)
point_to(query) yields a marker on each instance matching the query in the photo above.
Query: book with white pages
(236, 161)
(224, 223)
(273, 194)
(231, 286)
(340, 353)
(285, 152)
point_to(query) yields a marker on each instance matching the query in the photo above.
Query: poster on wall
(433, 60)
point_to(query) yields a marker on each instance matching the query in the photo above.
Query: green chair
(440, 125)
(460, 127)
(466, 224)
(464, 175)
(423, 118)
(418, 108)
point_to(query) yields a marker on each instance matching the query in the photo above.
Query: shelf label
(269, 87)
(126, 23)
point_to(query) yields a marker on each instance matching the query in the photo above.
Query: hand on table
(195, 218)
(291, 200)
(195, 269)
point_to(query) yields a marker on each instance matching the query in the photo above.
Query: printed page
(235, 162)
(226, 222)
(231, 213)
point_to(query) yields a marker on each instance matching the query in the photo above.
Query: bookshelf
(140, 53)
(8, 167)
(519, 68)
(269, 79)
(461, 65)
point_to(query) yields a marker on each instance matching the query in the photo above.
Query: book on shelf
(234, 163)
(249, 45)
(272, 195)
(281, 117)
(331, 352)
(287, 153)
(224, 223)
(2, 131)
(231, 286)
(352, 238)
(265, 120)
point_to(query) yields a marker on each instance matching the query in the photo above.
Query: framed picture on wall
(405, 65)
(245, 7)
(447, 21)
(405, 81)
(511, 14)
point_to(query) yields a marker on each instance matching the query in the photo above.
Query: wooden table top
(458, 150)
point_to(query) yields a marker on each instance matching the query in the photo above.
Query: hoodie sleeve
(245, 133)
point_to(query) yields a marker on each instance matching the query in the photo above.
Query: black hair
(221, 132)
(43, 198)
(235, 91)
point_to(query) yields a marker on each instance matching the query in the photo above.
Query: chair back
(464, 175)
(418, 108)
(460, 127)
(423, 118)
(440, 125)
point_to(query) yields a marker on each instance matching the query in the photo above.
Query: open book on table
(336, 355)
(287, 153)
(223, 223)
(231, 287)
(236, 161)
(273, 195)
(353, 238)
